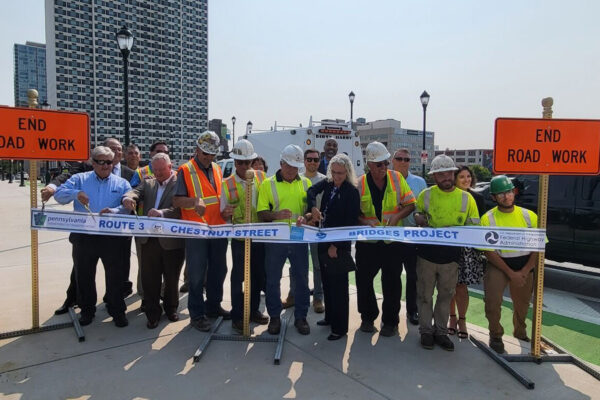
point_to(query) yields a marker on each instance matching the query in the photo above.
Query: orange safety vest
(198, 186)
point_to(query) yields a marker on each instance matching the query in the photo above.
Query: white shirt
(161, 189)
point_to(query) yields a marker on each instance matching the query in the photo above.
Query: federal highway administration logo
(321, 235)
(492, 237)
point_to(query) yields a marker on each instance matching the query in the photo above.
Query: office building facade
(168, 68)
(393, 136)
(483, 157)
(30, 71)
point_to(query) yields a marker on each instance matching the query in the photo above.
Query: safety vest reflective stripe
(260, 176)
(394, 178)
(275, 195)
(210, 200)
(463, 207)
(361, 184)
(511, 254)
(232, 189)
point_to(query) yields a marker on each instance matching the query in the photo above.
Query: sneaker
(259, 318)
(444, 342)
(238, 326)
(120, 321)
(289, 302)
(219, 312)
(497, 345)
(318, 306)
(388, 330)
(302, 326)
(274, 326)
(367, 327)
(202, 324)
(427, 341)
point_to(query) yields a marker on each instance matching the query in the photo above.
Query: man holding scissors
(97, 191)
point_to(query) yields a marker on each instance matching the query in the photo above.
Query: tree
(481, 173)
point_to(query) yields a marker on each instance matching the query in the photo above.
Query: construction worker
(143, 173)
(198, 195)
(507, 267)
(385, 199)
(233, 209)
(282, 198)
(438, 206)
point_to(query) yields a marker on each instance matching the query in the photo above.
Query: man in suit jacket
(161, 257)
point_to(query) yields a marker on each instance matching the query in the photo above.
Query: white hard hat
(293, 155)
(442, 163)
(377, 152)
(208, 142)
(243, 150)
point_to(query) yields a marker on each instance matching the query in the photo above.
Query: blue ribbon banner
(519, 239)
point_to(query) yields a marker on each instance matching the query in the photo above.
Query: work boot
(497, 345)
(202, 324)
(274, 326)
(120, 321)
(318, 306)
(259, 318)
(289, 302)
(444, 342)
(302, 326)
(219, 312)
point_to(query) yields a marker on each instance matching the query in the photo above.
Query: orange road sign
(31, 134)
(547, 146)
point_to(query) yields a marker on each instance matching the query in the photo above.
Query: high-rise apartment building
(393, 136)
(168, 68)
(30, 71)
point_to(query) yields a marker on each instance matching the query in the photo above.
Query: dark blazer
(146, 193)
(343, 210)
(126, 172)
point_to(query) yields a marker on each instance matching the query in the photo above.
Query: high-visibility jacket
(397, 194)
(199, 186)
(454, 208)
(236, 196)
(143, 173)
(519, 218)
(276, 194)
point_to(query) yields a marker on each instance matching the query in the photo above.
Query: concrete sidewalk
(137, 363)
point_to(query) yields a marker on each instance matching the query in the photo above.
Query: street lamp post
(351, 96)
(125, 42)
(233, 131)
(424, 102)
(248, 128)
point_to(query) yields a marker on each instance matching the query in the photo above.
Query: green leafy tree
(481, 173)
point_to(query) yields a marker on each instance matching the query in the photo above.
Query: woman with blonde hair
(340, 206)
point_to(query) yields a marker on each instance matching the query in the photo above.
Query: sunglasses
(243, 162)
(382, 164)
(161, 151)
(310, 159)
(405, 159)
(102, 162)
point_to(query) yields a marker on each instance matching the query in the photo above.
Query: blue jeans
(317, 281)
(205, 261)
(275, 256)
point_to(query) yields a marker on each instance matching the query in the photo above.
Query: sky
(284, 61)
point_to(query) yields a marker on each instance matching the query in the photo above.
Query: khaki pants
(430, 276)
(494, 283)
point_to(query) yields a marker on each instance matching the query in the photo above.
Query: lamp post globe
(424, 102)
(248, 127)
(351, 97)
(125, 43)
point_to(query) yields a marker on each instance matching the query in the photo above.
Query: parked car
(226, 165)
(573, 224)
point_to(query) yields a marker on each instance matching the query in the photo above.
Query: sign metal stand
(246, 337)
(550, 352)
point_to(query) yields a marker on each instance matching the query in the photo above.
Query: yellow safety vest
(392, 198)
(283, 195)
(519, 218)
(235, 193)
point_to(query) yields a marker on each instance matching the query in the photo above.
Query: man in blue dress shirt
(407, 251)
(101, 192)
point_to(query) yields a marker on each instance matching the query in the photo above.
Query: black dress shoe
(85, 319)
(173, 317)
(64, 308)
(413, 318)
(444, 342)
(120, 321)
(335, 336)
(184, 288)
(323, 322)
(151, 324)
(220, 312)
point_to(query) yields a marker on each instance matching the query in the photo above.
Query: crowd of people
(327, 194)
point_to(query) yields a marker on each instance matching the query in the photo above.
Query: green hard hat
(500, 184)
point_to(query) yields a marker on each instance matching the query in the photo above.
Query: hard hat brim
(442, 170)
(243, 158)
(381, 158)
(296, 164)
